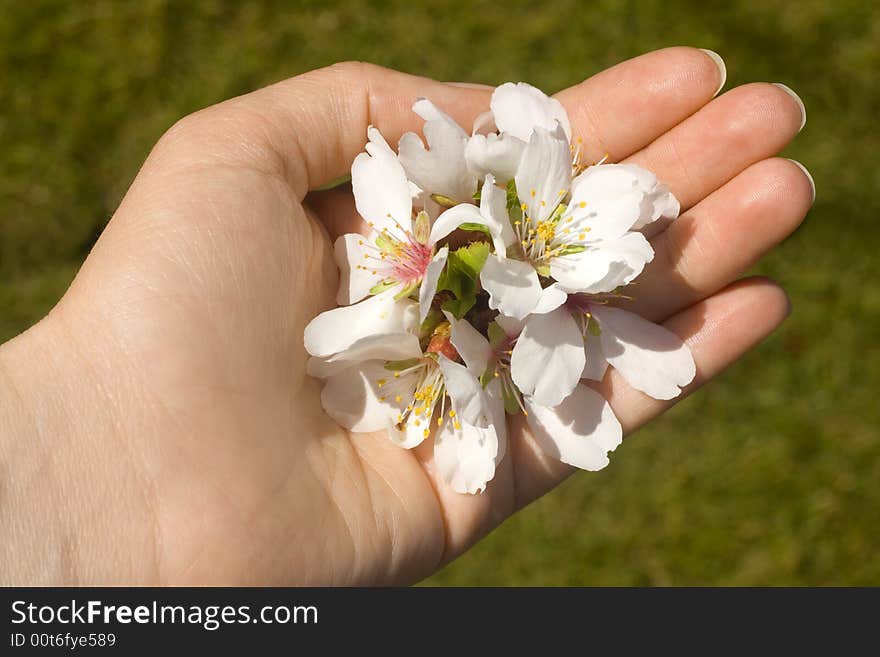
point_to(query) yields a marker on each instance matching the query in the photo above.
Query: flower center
(402, 261)
(417, 409)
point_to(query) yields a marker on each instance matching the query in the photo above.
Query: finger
(716, 241)
(614, 112)
(745, 125)
(718, 330)
(627, 106)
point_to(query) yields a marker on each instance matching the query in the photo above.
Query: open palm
(189, 315)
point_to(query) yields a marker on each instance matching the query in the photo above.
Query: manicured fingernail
(722, 68)
(808, 175)
(797, 98)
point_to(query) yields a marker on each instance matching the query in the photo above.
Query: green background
(771, 475)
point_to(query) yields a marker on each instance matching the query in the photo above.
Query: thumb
(308, 129)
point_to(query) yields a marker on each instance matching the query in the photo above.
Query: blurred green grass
(770, 476)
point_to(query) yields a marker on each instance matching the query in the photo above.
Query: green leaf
(472, 257)
(459, 307)
(381, 286)
(460, 277)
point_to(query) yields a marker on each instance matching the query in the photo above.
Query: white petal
(441, 169)
(428, 287)
(470, 344)
(596, 364)
(519, 108)
(465, 391)
(354, 282)
(510, 325)
(548, 357)
(580, 431)
(552, 297)
(335, 330)
(498, 155)
(492, 214)
(606, 202)
(484, 123)
(498, 418)
(603, 266)
(544, 173)
(454, 217)
(411, 436)
(381, 191)
(493, 207)
(651, 358)
(384, 346)
(513, 285)
(659, 202)
(352, 397)
(466, 458)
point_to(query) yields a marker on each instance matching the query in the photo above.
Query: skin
(158, 425)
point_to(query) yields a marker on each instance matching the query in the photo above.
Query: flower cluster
(484, 284)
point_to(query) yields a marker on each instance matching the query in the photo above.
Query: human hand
(163, 428)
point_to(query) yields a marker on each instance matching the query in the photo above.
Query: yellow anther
(457, 425)
(582, 236)
(397, 398)
(397, 375)
(382, 398)
(497, 375)
(418, 422)
(451, 413)
(546, 230)
(543, 204)
(533, 192)
(582, 204)
(439, 421)
(523, 207)
(381, 382)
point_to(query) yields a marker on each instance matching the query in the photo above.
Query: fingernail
(471, 85)
(808, 175)
(722, 68)
(798, 100)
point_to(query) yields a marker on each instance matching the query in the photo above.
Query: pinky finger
(719, 330)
